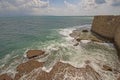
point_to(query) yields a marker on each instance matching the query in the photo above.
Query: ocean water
(21, 32)
(51, 33)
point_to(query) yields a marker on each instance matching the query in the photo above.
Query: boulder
(34, 53)
(107, 68)
(27, 67)
(5, 77)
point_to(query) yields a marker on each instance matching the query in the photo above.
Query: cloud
(100, 1)
(23, 4)
(43, 7)
(14, 7)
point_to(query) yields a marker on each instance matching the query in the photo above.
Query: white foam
(46, 70)
(85, 41)
(66, 32)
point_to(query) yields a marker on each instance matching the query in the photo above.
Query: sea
(51, 33)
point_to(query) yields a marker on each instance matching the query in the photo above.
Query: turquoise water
(18, 33)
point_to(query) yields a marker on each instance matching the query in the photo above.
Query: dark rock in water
(107, 68)
(78, 39)
(27, 67)
(75, 33)
(34, 53)
(5, 77)
(76, 44)
(85, 30)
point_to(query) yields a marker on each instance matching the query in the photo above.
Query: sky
(59, 7)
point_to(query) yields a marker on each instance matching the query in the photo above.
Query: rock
(85, 30)
(64, 71)
(34, 53)
(27, 67)
(75, 33)
(78, 39)
(76, 44)
(118, 78)
(5, 77)
(107, 68)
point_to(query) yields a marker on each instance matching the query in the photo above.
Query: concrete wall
(108, 27)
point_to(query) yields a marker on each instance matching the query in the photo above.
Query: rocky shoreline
(33, 69)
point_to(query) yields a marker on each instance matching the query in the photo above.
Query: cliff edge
(109, 28)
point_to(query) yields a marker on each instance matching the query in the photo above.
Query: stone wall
(117, 39)
(108, 27)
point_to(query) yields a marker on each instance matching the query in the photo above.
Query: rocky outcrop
(84, 34)
(5, 77)
(34, 53)
(109, 28)
(27, 67)
(64, 71)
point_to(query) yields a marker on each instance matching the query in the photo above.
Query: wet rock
(85, 30)
(5, 77)
(84, 34)
(34, 53)
(107, 68)
(27, 67)
(78, 39)
(118, 78)
(67, 72)
(75, 33)
(64, 71)
(76, 44)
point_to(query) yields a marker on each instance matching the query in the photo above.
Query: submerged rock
(107, 68)
(85, 30)
(76, 44)
(27, 67)
(5, 77)
(34, 53)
